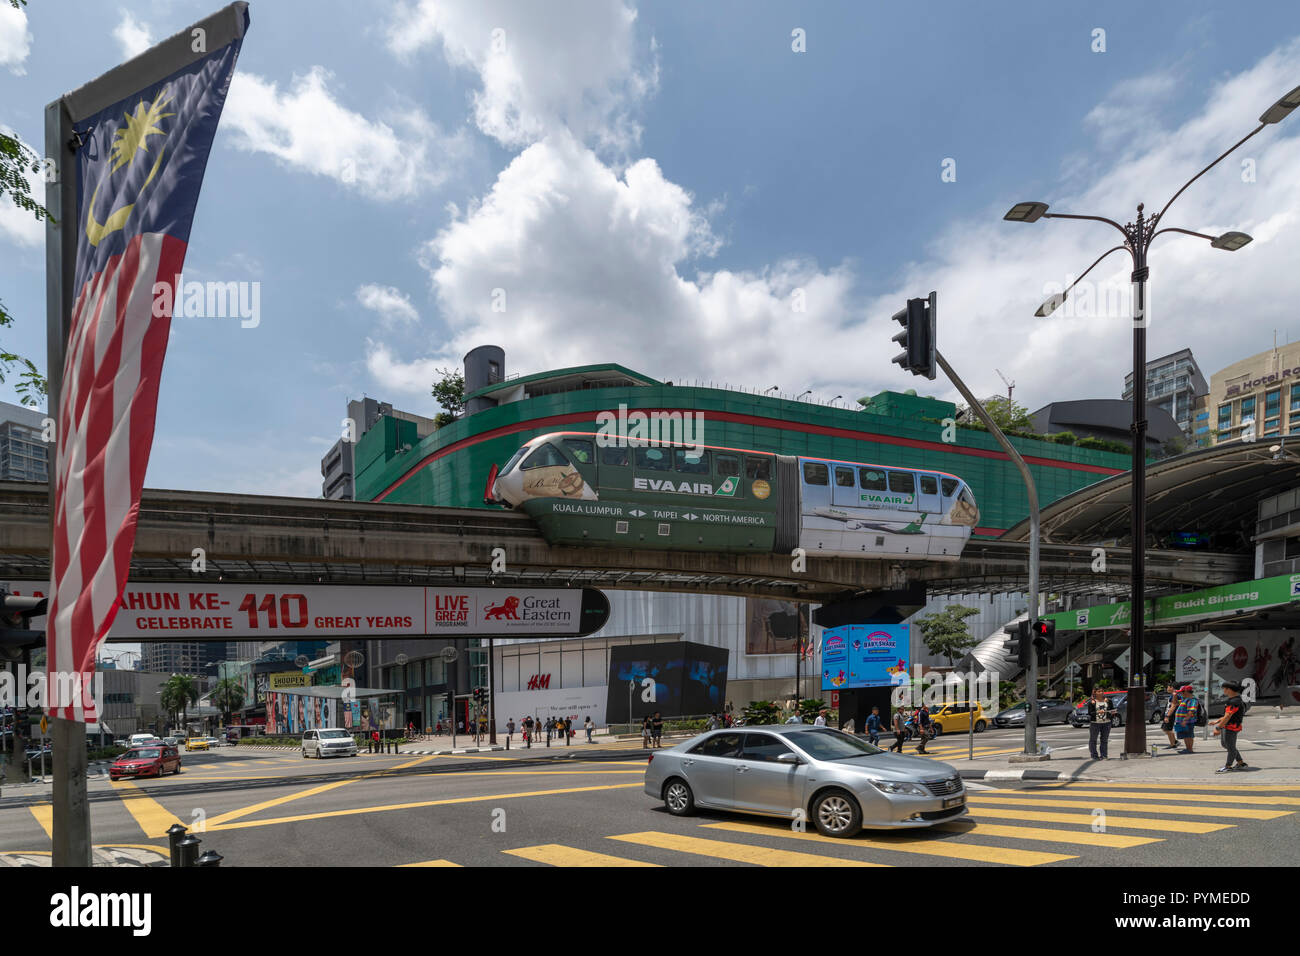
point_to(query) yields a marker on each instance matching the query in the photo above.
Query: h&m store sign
(1262, 380)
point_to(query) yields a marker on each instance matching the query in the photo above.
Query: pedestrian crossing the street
(1090, 822)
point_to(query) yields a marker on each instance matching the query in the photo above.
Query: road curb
(1018, 775)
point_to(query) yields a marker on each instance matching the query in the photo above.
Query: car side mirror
(788, 757)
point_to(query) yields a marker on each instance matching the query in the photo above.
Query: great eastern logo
(509, 608)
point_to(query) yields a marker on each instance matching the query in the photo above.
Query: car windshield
(1023, 705)
(332, 734)
(831, 745)
(151, 753)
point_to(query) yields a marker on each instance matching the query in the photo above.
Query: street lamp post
(1138, 236)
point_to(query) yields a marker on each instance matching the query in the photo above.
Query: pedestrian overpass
(247, 538)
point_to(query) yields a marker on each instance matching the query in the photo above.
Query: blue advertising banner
(864, 655)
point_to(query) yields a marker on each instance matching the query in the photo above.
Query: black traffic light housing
(1044, 635)
(1019, 643)
(918, 338)
(16, 615)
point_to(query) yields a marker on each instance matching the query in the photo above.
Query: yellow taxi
(196, 743)
(956, 718)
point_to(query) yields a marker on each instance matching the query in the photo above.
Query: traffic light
(918, 337)
(1018, 643)
(1044, 635)
(16, 615)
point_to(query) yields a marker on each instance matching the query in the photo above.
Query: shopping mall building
(451, 467)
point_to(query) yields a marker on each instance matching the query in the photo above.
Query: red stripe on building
(544, 423)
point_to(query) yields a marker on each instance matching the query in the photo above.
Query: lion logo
(509, 609)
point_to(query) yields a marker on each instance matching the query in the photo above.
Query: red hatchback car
(146, 761)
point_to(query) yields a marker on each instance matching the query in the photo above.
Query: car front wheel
(678, 798)
(980, 726)
(837, 814)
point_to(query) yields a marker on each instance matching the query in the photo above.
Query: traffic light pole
(1031, 678)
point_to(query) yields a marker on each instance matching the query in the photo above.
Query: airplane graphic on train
(714, 498)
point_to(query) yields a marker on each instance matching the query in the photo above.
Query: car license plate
(954, 802)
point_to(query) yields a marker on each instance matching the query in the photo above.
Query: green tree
(946, 632)
(809, 708)
(16, 160)
(177, 695)
(1009, 415)
(450, 393)
(758, 712)
(228, 695)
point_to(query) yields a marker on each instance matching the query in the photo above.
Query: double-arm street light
(1138, 236)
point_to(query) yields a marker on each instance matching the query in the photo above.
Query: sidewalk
(1270, 745)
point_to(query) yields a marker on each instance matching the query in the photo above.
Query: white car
(214, 742)
(144, 740)
(328, 742)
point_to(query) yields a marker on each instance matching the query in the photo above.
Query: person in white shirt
(821, 718)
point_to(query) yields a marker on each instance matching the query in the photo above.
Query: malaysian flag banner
(139, 165)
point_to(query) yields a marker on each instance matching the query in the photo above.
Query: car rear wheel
(837, 814)
(678, 798)
(980, 726)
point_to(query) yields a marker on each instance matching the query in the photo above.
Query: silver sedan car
(797, 771)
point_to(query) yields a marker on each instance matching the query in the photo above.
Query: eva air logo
(727, 488)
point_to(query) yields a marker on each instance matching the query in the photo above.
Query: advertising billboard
(864, 655)
(675, 679)
(774, 627)
(1269, 658)
(167, 612)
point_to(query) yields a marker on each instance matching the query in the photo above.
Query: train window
(514, 459)
(964, 510)
(692, 462)
(610, 455)
(902, 481)
(728, 466)
(545, 455)
(815, 473)
(950, 486)
(871, 479)
(929, 485)
(582, 450)
(758, 468)
(844, 477)
(653, 459)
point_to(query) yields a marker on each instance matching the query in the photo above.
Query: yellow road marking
(431, 863)
(1251, 799)
(241, 824)
(1043, 834)
(44, 814)
(528, 773)
(907, 843)
(1112, 822)
(1185, 786)
(557, 855)
(735, 852)
(152, 816)
(991, 796)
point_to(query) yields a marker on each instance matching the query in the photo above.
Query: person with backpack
(922, 726)
(1099, 714)
(1234, 711)
(1185, 717)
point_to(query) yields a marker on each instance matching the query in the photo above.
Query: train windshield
(514, 460)
(964, 510)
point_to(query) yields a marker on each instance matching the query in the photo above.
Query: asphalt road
(259, 809)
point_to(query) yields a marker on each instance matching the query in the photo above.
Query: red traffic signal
(1044, 635)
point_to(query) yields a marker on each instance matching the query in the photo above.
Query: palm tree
(228, 695)
(178, 694)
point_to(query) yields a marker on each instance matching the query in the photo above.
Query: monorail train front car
(581, 491)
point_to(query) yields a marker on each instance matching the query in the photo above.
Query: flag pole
(71, 825)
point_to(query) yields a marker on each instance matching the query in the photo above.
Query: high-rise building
(1257, 397)
(336, 467)
(23, 455)
(1175, 383)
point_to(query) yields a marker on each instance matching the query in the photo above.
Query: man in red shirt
(1234, 710)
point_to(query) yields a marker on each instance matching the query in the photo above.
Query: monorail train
(582, 491)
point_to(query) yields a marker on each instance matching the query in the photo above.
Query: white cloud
(391, 304)
(396, 376)
(598, 267)
(307, 128)
(543, 66)
(15, 39)
(133, 37)
(18, 225)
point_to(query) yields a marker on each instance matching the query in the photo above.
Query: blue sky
(657, 184)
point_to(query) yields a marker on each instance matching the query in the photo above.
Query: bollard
(507, 743)
(188, 850)
(174, 834)
(211, 858)
(568, 736)
(548, 740)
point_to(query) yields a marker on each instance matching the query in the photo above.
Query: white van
(328, 742)
(139, 739)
